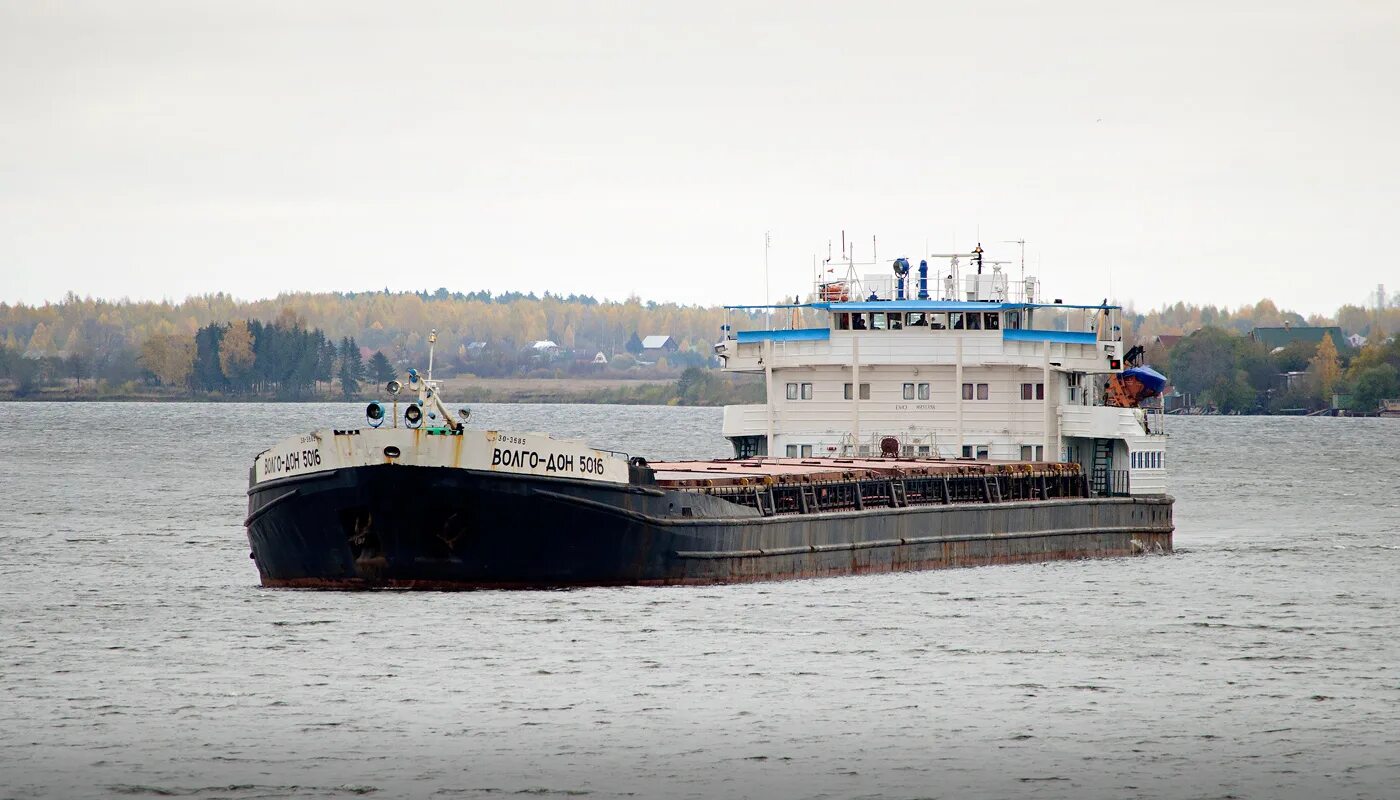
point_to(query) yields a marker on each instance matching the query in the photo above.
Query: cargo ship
(901, 431)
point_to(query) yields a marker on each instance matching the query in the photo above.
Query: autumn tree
(1325, 367)
(236, 357)
(41, 341)
(169, 357)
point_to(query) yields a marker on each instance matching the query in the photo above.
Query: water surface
(139, 657)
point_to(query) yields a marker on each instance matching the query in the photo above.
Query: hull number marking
(291, 460)
(551, 462)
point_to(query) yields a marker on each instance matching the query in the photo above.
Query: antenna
(767, 241)
(1021, 242)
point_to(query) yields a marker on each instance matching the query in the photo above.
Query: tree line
(295, 345)
(1226, 371)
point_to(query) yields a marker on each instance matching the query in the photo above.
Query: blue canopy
(1149, 377)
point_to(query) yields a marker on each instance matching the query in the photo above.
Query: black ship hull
(392, 526)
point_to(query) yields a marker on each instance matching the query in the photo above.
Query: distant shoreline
(585, 391)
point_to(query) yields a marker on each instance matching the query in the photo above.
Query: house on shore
(654, 347)
(1275, 338)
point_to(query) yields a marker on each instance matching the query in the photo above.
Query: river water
(139, 657)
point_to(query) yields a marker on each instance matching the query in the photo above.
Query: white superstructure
(874, 366)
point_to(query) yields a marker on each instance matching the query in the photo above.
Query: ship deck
(771, 470)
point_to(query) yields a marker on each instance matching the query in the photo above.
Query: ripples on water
(139, 657)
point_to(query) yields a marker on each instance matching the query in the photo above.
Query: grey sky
(1209, 152)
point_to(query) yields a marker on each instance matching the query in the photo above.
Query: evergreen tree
(380, 368)
(352, 368)
(208, 375)
(325, 359)
(634, 344)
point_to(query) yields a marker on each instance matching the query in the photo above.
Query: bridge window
(896, 321)
(978, 390)
(916, 319)
(801, 391)
(1013, 320)
(955, 320)
(992, 321)
(877, 321)
(750, 446)
(938, 322)
(843, 322)
(973, 321)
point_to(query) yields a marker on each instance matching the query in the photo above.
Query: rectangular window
(864, 391)
(993, 321)
(974, 321)
(806, 391)
(956, 320)
(1027, 452)
(917, 319)
(938, 322)
(967, 391)
(983, 452)
(908, 391)
(1040, 452)
(923, 391)
(982, 391)
(792, 391)
(1133, 460)
(806, 451)
(1040, 391)
(1027, 391)
(792, 451)
(1013, 320)
(843, 322)
(877, 321)
(896, 322)
(967, 451)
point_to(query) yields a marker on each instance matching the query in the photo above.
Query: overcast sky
(1207, 152)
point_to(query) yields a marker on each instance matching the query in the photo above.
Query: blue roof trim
(914, 305)
(1068, 337)
(941, 305)
(798, 335)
